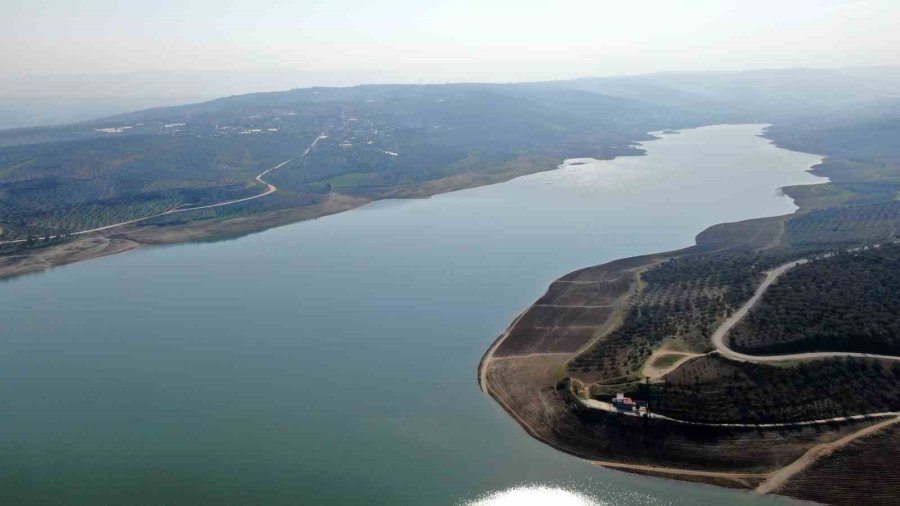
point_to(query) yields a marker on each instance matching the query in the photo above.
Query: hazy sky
(431, 40)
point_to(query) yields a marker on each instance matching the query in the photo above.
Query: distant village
(362, 127)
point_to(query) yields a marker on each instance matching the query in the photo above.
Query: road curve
(718, 337)
(270, 189)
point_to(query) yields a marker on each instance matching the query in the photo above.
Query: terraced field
(562, 351)
(680, 302)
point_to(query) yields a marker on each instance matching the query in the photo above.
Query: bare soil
(127, 238)
(864, 472)
(83, 248)
(526, 387)
(526, 371)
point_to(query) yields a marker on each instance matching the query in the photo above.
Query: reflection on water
(332, 362)
(535, 495)
(590, 176)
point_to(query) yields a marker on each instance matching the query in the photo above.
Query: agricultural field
(528, 387)
(656, 343)
(846, 302)
(862, 473)
(64, 188)
(714, 389)
(681, 302)
(574, 309)
(373, 142)
(844, 227)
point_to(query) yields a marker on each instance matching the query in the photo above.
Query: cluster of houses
(627, 405)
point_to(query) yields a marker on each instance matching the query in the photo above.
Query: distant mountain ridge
(391, 139)
(378, 140)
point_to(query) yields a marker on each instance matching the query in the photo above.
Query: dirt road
(718, 337)
(270, 189)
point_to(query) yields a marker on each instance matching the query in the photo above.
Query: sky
(443, 41)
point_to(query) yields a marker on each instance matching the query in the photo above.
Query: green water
(333, 361)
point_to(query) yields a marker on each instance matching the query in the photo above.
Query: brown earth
(728, 480)
(525, 371)
(864, 472)
(125, 238)
(83, 248)
(527, 388)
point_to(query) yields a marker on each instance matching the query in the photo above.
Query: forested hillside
(376, 140)
(847, 302)
(387, 140)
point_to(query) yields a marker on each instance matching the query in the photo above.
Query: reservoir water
(333, 361)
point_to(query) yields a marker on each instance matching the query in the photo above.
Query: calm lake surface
(334, 361)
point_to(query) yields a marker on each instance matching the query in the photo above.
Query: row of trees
(849, 225)
(713, 389)
(847, 302)
(685, 297)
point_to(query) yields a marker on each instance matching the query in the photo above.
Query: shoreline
(715, 237)
(128, 237)
(784, 190)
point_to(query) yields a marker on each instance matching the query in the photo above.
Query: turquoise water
(334, 361)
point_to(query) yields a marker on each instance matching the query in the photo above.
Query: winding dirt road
(718, 337)
(718, 341)
(270, 189)
(765, 482)
(774, 481)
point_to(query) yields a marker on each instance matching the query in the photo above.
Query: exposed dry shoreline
(524, 379)
(527, 386)
(130, 237)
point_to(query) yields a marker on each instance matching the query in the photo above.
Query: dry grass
(527, 388)
(864, 472)
(84, 248)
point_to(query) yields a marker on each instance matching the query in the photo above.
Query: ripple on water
(535, 495)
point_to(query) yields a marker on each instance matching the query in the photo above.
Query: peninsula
(764, 357)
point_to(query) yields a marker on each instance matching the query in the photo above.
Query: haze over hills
(343, 209)
(651, 384)
(390, 140)
(29, 101)
(246, 162)
(53, 99)
(773, 94)
(380, 139)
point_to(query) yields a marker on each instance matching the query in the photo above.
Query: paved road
(270, 189)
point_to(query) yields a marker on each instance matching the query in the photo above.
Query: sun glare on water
(535, 495)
